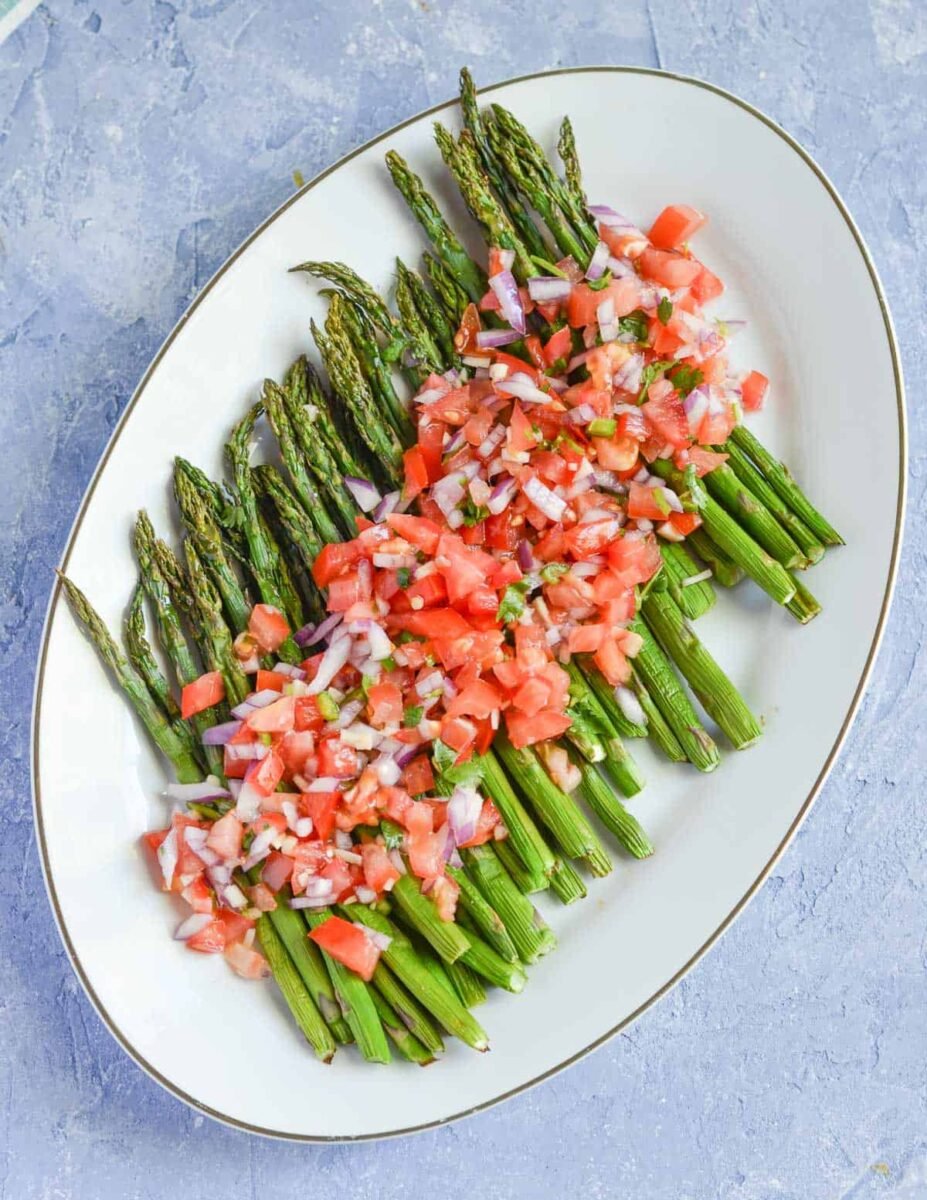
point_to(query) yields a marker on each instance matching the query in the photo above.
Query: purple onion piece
(365, 493)
(505, 289)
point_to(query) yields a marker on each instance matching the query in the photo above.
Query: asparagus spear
(466, 983)
(657, 726)
(556, 809)
(207, 539)
(159, 728)
(715, 692)
(446, 938)
(481, 912)
(214, 633)
(669, 697)
(220, 505)
(724, 570)
(408, 965)
(527, 933)
(772, 577)
(527, 840)
(297, 998)
(346, 376)
(439, 325)
(694, 599)
(451, 296)
(170, 625)
(566, 147)
(606, 698)
(361, 335)
(803, 605)
(327, 451)
(275, 410)
(731, 492)
(264, 557)
(356, 1001)
(612, 813)
(462, 160)
(520, 218)
(408, 1009)
(566, 884)
(530, 152)
(753, 479)
(779, 478)
(471, 277)
(142, 658)
(405, 1042)
(299, 529)
(413, 318)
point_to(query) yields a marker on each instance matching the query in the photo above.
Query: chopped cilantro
(684, 378)
(512, 604)
(664, 310)
(388, 663)
(636, 324)
(598, 285)
(403, 577)
(650, 374)
(473, 513)
(445, 761)
(412, 716)
(393, 835)
(552, 572)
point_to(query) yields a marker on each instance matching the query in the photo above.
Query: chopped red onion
(454, 443)
(691, 580)
(324, 783)
(396, 859)
(550, 504)
(255, 701)
(386, 506)
(628, 376)
(489, 339)
(621, 268)
(644, 525)
(167, 857)
(283, 668)
(502, 495)
(387, 769)
(310, 634)
(365, 895)
(610, 218)
(597, 262)
(382, 941)
(630, 705)
(582, 414)
(331, 663)
(506, 259)
(447, 493)
(311, 901)
(521, 387)
(577, 361)
(405, 756)
(365, 493)
(248, 804)
(608, 322)
(549, 289)
(526, 559)
(260, 847)
(194, 924)
(246, 751)
(505, 289)
(492, 441)
(463, 812)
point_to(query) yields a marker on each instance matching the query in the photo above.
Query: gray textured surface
(139, 142)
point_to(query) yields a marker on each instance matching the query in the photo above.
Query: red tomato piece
(320, 807)
(668, 418)
(209, 940)
(706, 286)
(270, 681)
(634, 560)
(431, 590)
(416, 473)
(278, 717)
(431, 445)
(478, 699)
(584, 301)
(306, 715)
(675, 225)
(488, 819)
(384, 703)
(705, 460)
(202, 693)
(266, 773)
(668, 268)
(337, 760)
(526, 731)
(334, 558)
(612, 662)
(379, 872)
(435, 623)
(753, 391)
(268, 626)
(225, 836)
(642, 503)
(558, 345)
(418, 777)
(419, 531)
(276, 870)
(198, 895)
(349, 944)
(583, 541)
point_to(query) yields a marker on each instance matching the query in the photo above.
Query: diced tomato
(278, 717)
(435, 623)
(246, 961)
(705, 460)
(418, 777)
(379, 872)
(346, 591)
(431, 445)
(473, 535)
(416, 473)
(612, 662)
(338, 760)
(277, 870)
(684, 522)
(445, 893)
(349, 944)
(521, 435)
(669, 268)
(419, 531)
(306, 715)
(753, 391)
(202, 693)
(210, 939)
(715, 427)
(582, 306)
(266, 773)
(457, 733)
(470, 325)
(198, 895)
(384, 704)
(706, 286)
(583, 541)
(262, 897)
(154, 839)
(320, 807)
(334, 558)
(338, 874)
(532, 695)
(225, 836)
(488, 819)
(296, 749)
(479, 699)
(675, 225)
(270, 681)
(558, 345)
(236, 925)
(526, 731)
(268, 626)
(586, 639)
(431, 590)
(634, 560)
(426, 853)
(667, 416)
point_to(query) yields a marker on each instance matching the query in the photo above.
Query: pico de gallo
(528, 522)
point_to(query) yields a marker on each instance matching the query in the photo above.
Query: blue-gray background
(140, 141)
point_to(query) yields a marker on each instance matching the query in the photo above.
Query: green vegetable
(664, 310)
(602, 427)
